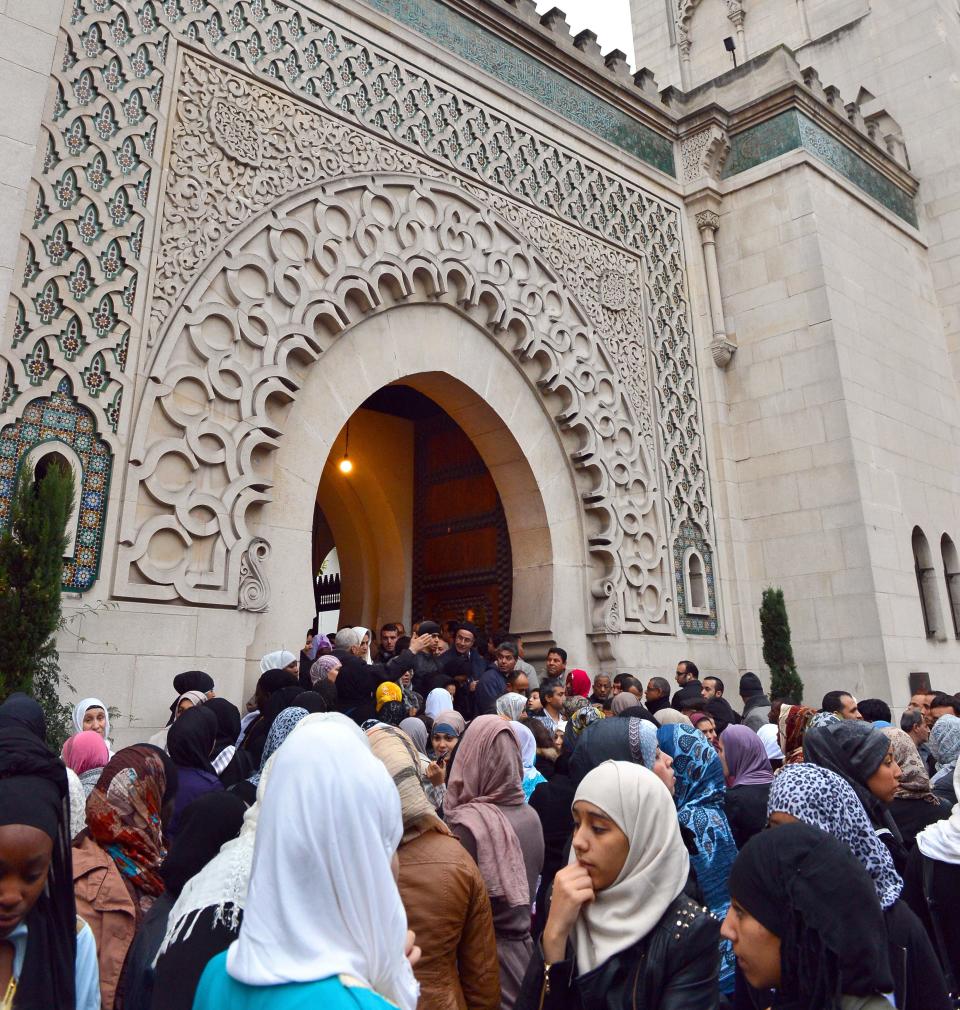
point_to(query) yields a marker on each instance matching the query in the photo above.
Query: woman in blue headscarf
(699, 794)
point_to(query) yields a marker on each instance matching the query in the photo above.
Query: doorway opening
(415, 525)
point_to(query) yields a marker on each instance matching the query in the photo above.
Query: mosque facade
(697, 324)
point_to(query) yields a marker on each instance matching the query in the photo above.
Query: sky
(610, 19)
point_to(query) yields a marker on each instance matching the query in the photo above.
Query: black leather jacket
(674, 967)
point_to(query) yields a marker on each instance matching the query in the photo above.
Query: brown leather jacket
(104, 902)
(449, 910)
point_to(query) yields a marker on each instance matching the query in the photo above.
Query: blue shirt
(86, 966)
(217, 991)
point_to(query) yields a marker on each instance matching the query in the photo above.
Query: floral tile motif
(792, 131)
(694, 624)
(60, 418)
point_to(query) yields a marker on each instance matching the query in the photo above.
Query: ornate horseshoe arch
(233, 356)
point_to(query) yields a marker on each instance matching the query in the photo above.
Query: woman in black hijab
(805, 920)
(206, 825)
(192, 680)
(22, 711)
(269, 684)
(355, 689)
(862, 755)
(230, 764)
(42, 928)
(190, 743)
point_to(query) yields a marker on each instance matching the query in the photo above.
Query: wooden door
(462, 566)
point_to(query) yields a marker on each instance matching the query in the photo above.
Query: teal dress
(218, 990)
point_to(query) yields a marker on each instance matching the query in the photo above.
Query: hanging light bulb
(345, 465)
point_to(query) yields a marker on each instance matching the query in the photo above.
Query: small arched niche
(40, 460)
(697, 599)
(951, 576)
(927, 585)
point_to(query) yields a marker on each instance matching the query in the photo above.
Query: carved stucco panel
(235, 352)
(108, 100)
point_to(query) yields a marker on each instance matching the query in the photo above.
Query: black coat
(940, 901)
(912, 816)
(746, 810)
(672, 968)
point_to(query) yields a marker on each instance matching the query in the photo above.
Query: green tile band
(513, 66)
(792, 131)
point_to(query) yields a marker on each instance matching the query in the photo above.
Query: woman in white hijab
(280, 660)
(206, 917)
(438, 700)
(620, 932)
(323, 922)
(91, 713)
(364, 635)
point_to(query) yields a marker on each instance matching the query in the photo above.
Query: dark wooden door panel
(461, 549)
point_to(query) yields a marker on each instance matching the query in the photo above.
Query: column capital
(708, 220)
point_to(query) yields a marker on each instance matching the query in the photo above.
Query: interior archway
(415, 515)
(447, 357)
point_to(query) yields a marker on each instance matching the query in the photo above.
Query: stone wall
(842, 426)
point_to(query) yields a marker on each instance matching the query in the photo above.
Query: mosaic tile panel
(694, 624)
(60, 418)
(792, 131)
(508, 63)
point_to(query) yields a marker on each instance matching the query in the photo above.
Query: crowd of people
(428, 821)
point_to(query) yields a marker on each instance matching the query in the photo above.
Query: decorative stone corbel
(721, 347)
(254, 588)
(703, 155)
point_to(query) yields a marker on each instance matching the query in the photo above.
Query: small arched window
(951, 574)
(695, 583)
(927, 585)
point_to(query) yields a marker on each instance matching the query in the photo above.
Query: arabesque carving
(77, 310)
(237, 349)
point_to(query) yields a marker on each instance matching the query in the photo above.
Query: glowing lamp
(345, 465)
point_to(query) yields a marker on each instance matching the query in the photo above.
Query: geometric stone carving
(254, 588)
(233, 357)
(702, 156)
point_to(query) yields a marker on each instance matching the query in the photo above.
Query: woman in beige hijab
(620, 932)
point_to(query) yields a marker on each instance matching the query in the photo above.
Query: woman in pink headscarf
(578, 684)
(86, 754)
(485, 809)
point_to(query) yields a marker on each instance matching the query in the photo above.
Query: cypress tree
(785, 682)
(32, 546)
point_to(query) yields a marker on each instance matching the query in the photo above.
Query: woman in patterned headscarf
(510, 706)
(945, 745)
(116, 861)
(794, 722)
(391, 709)
(282, 728)
(585, 716)
(824, 800)
(914, 805)
(818, 796)
(699, 795)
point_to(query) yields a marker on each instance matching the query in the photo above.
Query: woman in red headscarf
(578, 684)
